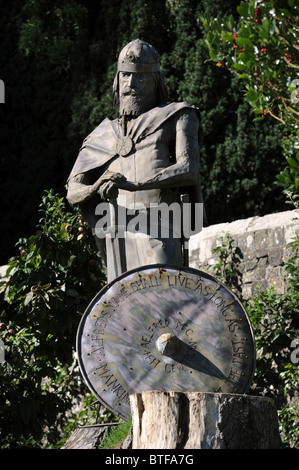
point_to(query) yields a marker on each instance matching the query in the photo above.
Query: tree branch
(289, 64)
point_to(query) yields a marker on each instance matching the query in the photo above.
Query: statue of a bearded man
(145, 159)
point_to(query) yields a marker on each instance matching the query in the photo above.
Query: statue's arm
(80, 189)
(185, 171)
(84, 186)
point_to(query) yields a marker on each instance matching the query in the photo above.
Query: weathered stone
(276, 257)
(262, 240)
(245, 241)
(275, 278)
(262, 244)
(248, 266)
(247, 291)
(255, 275)
(262, 262)
(278, 236)
(261, 252)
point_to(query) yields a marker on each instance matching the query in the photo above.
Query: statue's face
(137, 93)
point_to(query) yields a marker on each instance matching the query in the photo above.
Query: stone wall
(262, 249)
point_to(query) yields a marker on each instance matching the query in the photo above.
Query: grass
(116, 435)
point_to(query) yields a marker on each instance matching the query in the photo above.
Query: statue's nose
(132, 81)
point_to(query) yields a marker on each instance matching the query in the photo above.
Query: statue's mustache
(129, 92)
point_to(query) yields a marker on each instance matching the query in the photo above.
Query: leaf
(280, 178)
(243, 41)
(231, 22)
(207, 17)
(28, 298)
(273, 27)
(250, 95)
(226, 36)
(219, 19)
(245, 31)
(251, 9)
(239, 66)
(72, 293)
(292, 163)
(242, 57)
(266, 25)
(28, 409)
(264, 35)
(213, 55)
(242, 9)
(46, 286)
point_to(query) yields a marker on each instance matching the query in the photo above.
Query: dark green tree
(39, 41)
(58, 62)
(260, 48)
(239, 157)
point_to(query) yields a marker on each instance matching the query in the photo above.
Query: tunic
(148, 148)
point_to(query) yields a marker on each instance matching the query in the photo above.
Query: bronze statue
(147, 157)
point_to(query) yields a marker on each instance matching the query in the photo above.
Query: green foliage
(262, 49)
(239, 157)
(226, 268)
(89, 413)
(289, 177)
(48, 286)
(275, 322)
(288, 416)
(58, 63)
(53, 30)
(116, 435)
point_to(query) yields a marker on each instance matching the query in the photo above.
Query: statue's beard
(132, 105)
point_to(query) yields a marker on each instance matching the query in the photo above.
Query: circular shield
(124, 146)
(164, 328)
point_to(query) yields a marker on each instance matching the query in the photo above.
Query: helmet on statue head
(139, 56)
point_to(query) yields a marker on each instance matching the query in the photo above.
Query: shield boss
(124, 146)
(164, 328)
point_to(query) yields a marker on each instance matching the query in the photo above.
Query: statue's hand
(106, 186)
(108, 190)
(108, 176)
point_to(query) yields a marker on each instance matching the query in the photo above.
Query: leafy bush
(275, 323)
(260, 48)
(48, 286)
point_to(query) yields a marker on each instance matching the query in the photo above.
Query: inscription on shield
(164, 328)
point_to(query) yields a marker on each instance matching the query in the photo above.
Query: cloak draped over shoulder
(100, 146)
